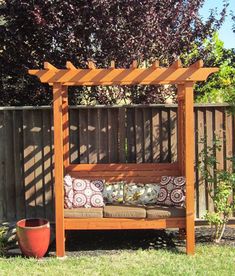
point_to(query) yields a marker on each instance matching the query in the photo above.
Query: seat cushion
(155, 212)
(84, 213)
(111, 211)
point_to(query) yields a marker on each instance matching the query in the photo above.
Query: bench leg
(60, 241)
(190, 236)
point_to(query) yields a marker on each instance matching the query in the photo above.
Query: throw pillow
(172, 191)
(68, 192)
(88, 193)
(141, 194)
(113, 192)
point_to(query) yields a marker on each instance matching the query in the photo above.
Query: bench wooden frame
(184, 78)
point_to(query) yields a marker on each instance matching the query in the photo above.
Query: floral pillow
(87, 193)
(172, 191)
(141, 194)
(68, 192)
(113, 192)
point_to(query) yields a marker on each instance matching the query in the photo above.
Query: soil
(95, 243)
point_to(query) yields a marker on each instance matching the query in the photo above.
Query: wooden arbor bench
(184, 78)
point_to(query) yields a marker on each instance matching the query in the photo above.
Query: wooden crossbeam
(174, 74)
(176, 64)
(155, 64)
(134, 64)
(112, 64)
(198, 64)
(49, 66)
(91, 64)
(70, 66)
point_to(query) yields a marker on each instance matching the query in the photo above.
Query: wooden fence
(98, 134)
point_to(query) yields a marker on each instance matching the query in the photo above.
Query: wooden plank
(29, 152)
(219, 133)
(59, 173)
(130, 134)
(113, 135)
(200, 182)
(209, 142)
(18, 164)
(47, 164)
(3, 207)
(74, 131)
(164, 136)
(83, 135)
(139, 135)
(122, 135)
(123, 167)
(10, 172)
(155, 135)
(38, 163)
(122, 223)
(103, 135)
(173, 135)
(229, 139)
(147, 131)
(93, 136)
(189, 168)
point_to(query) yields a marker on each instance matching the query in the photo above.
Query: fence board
(97, 135)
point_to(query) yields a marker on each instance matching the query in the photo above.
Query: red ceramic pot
(33, 236)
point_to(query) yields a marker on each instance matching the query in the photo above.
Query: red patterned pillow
(88, 193)
(172, 191)
(68, 192)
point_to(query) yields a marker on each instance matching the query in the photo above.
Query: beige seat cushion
(111, 211)
(83, 213)
(155, 212)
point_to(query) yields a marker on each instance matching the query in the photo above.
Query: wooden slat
(123, 167)
(3, 137)
(173, 135)
(139, 135)
(209, 142)
(10, 172)
(155, 135)
(201, 184)
(65, 112)
(164, 136)
(147, 131)
(219, 132)
(103, 136)
(83, 135)
(93, 136)
(130, 134)
(230, 138)
(122, 223)
(122, 135)
(189, 168)
(113, 135)
(47, 164)
(38, 163)
(18, 164)
(74, 138)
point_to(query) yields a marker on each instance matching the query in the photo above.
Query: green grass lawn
(208, 260)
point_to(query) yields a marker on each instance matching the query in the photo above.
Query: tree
(120, 30)
(220, 87)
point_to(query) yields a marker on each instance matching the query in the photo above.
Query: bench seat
(123, 211)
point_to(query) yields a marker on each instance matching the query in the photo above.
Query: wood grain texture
(59, 170)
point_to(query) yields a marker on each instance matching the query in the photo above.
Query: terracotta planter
(33, 236)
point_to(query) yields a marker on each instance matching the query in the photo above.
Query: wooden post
(59, 172)
(181, 130)
(65, 115)
(189, 168)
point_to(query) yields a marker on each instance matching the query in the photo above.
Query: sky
(225, 33)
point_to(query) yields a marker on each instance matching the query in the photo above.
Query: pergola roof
(175, 74)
